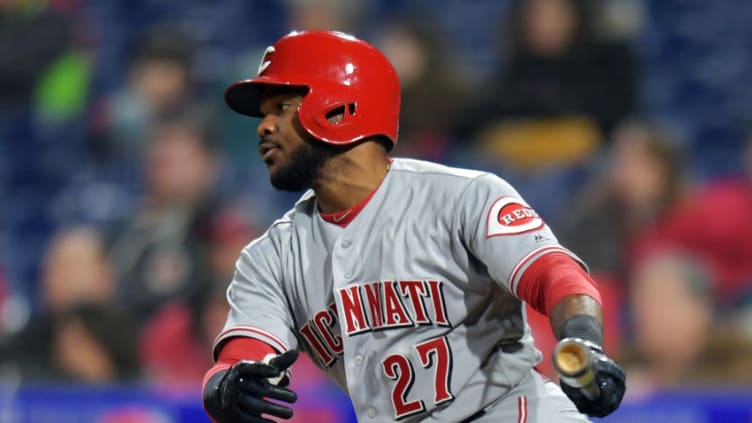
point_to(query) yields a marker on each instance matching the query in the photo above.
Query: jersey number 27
(432, 353)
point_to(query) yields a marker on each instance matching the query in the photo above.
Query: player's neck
(350, 177)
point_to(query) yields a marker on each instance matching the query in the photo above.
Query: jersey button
(358, 359)
(346, 243)
(371, 413)
(348, 274)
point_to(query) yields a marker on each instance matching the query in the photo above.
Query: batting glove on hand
(242, 393)
(610, 380)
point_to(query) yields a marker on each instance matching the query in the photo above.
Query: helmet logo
(265, 60)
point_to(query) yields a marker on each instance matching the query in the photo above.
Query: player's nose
(267, 126)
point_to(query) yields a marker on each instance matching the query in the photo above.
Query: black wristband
(211, 394)
(583, 326)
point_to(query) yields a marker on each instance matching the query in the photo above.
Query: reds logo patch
(509, 216)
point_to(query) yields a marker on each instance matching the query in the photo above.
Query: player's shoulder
(442, 175)
(423, 167)
(270, 240)
(304, 206)
(282, 228)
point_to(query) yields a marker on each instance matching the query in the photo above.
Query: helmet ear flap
(337, 115)
(340, 113)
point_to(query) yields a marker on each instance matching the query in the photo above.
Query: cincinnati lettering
(374, 306)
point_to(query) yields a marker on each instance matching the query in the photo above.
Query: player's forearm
(551, 278)
(559, 287)
(580, 306)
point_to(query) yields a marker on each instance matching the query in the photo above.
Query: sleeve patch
(510, 216)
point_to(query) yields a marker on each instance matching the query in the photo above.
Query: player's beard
(303, 166)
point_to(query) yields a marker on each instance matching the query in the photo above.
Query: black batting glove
(242, 393)
(610, 380)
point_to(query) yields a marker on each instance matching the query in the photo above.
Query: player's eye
(284, 107)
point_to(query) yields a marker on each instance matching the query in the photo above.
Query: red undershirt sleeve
(236, 349)
(552, 277)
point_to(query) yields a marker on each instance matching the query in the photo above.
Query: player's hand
(610, 380)
(242, 393)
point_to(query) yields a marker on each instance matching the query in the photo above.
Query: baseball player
(404, 280)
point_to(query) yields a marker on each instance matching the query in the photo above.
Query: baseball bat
(573, 362)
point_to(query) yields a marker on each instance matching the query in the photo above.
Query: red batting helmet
(343, 75)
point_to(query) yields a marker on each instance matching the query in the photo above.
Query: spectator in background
(560, 91)
(79, 336)
(231, 230)
(715, 223)
(187, 328)
(642, 182)
(189, 325)
(678, 341)
(329, 15)
(93, 344)
(160, 85)
(432, 92)
(76, 270)
(625, 205)
(160, 252)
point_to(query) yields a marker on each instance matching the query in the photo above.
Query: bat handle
(573, 361)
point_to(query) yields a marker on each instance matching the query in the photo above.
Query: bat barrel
(573, 361)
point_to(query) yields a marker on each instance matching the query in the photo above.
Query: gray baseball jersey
(411, 308)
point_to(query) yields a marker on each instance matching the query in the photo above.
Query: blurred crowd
(128, 190)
